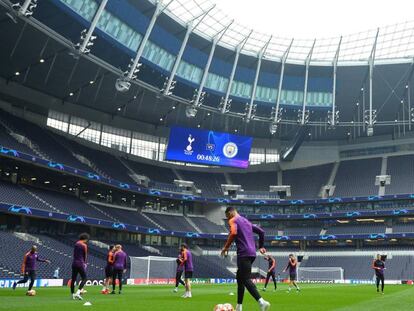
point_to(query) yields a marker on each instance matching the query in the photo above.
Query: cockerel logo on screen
(189, 149)
(230, 150)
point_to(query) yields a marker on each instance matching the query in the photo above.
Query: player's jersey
(120, 260)
(272, 264)
(292, 266)
(180, 265)
(188, 260)
(29, 262)
(241, 230)
(378, 266)
(110, 259)
(80, 254)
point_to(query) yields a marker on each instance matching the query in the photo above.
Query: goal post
(153, 267)
(321, 274)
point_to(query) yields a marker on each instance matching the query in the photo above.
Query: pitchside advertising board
(8, 283)
(208, 147)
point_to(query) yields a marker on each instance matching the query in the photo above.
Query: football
(31, 292)
(224, 307)
(105, 291)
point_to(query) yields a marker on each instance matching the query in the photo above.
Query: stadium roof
(395, 43)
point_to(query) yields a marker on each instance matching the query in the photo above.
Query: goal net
(153, 267)
(320, 274)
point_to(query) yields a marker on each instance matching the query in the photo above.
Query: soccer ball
(83, 291)
(31, 292)
(224, 307)
(105, 291)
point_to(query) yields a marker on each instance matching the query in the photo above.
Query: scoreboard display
(208, 147)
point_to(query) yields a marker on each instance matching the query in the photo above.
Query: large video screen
(208, 147)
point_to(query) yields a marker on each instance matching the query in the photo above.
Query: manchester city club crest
(230, 150)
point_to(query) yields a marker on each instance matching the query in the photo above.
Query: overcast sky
(317, 18)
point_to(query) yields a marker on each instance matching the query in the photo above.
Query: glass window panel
(241, 89)
(58, 120)
(146, 146)
(216, 82)
(86, 8)
(189, 72)
(116, 138)
(87, 130)
(257, 156)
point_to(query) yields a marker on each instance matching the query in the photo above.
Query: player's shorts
(78, 270)
(188, 274)
(271, 272)
(109, 271)
(293, 276)
(30, 275)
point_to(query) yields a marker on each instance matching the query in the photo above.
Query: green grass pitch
(161, 298)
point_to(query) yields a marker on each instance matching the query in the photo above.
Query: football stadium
(178, 155)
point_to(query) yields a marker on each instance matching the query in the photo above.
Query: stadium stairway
(170, 221)
(42, 200)
(196, 228)
(103, 212)
(228, 178)
(61, 140)
(151, 220)
(205, 225)
(177, 174)
(131, 173)
(23, 140)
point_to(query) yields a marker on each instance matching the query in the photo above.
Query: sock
(261, 301)
(78, 292)
(239, 307)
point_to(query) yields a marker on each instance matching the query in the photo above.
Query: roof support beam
(335, 67)
(190, 27)
(216, 40)
(250, 109)
(409, 106)
(83, 48)
(52, 64)
(305, 89)
(239, 48)
(279, 88)
(158, 10)
(19, 38)
(408, 92)
(371, 61)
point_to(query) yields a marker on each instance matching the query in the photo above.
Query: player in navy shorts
(270, 271)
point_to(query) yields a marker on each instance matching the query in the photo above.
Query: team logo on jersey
(230, 150)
